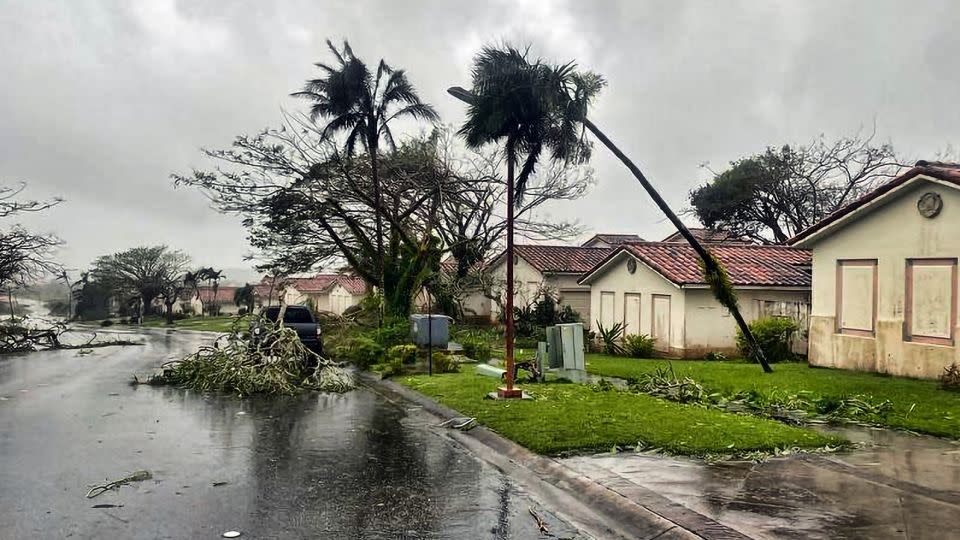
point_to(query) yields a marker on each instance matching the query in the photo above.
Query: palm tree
(363, 105)
(244, 296)
(570, 94)
(514, 100)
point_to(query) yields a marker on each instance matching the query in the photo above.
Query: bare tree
(307, 205)
(772, 196)
(24, 256)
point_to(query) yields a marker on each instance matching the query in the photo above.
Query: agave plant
(611, 338)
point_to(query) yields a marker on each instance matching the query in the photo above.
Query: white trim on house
(598, 271)
(869, 207)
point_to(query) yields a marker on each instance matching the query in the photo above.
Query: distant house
(657, 288)
(608, 240)
(332, 293)
(885, 277)
(552, 269)
(204, 298)
(707, 236)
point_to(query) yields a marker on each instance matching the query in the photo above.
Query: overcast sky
(101, 101)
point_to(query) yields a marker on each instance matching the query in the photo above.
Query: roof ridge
(718, 244)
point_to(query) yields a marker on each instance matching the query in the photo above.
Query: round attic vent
(631, 265)
(929, 204)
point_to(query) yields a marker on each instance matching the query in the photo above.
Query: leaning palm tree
(571, 94)
(514, 101)
(363, 105)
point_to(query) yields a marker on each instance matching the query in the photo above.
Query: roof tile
(748, 265)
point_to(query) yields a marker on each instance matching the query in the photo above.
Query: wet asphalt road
(312, 466)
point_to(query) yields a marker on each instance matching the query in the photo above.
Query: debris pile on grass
(275, 362)
(791, 408)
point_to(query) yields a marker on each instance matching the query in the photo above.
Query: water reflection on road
(310, 466)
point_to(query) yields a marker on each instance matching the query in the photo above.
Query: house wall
(710, 327)
(616, 279)
(890, 234)
(527, 281)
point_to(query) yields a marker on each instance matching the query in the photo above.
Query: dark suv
(300, 319)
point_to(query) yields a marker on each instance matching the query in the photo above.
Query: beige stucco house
(332, 293)
(885, 277)
(549, 269)
(656, 288)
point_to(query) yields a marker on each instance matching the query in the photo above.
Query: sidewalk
(902, 486)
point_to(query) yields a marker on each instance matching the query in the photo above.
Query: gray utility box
(420, 331)
(565, 346)
(571, 345)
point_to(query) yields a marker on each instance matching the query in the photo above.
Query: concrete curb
(617, 514)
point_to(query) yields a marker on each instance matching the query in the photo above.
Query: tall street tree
(364, 105)
(574, 93)
(514, 101)
(773, 195)
(141, 272)
(308, 206)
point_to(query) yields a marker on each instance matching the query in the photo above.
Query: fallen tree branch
(138, 476)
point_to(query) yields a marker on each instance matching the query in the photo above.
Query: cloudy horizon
(101, 101)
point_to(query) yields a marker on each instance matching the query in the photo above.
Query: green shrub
(774, 336)
(638, 345)
(404, 354)
(361, 350)
(477, 349)
(444, 363)
(393, 332)
(396, 366)
(950, 378)
(241, 312)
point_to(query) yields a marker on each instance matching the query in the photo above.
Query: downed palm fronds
(797, 408)
(272, 362)
(664, 383)
(138, 476)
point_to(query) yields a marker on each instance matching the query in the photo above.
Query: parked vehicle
(300, 319)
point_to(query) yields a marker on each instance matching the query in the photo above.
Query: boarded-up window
(857, 296)
(606, 309)
(631, 313)
(930, 300)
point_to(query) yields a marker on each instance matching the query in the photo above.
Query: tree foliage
(771, 196)
(24, 256)
(143, 273)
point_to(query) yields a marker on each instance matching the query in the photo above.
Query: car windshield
(297, 315)
(291, 315)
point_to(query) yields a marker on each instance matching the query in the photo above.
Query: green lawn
(222, 323)
(566, 418)
(918, 405)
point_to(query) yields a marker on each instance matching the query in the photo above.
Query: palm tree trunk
(508, 348)
(375, 174)
(708, 262)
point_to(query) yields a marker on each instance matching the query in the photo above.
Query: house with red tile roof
(885, 276)
(707, 236)
(332, 293)
(609, 240)
(657, 288)
(552, 269)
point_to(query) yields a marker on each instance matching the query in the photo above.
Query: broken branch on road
(276, 362)
(138, 476)
(20, 337)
